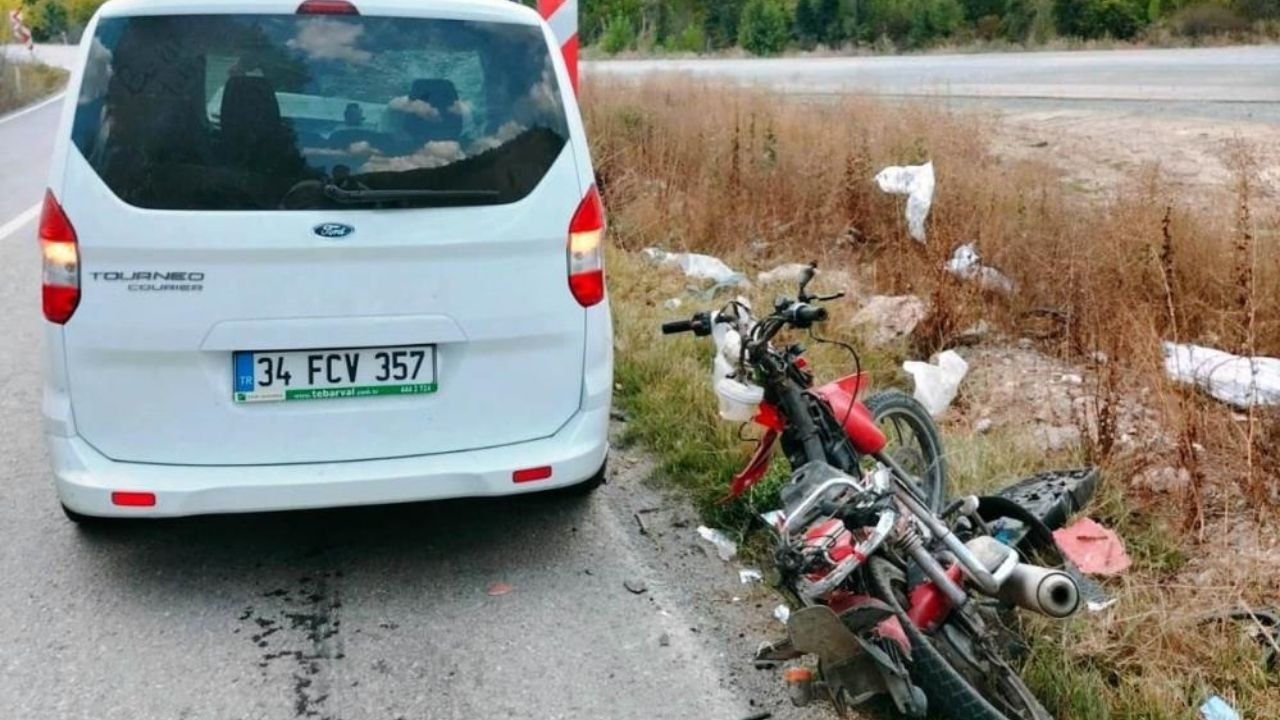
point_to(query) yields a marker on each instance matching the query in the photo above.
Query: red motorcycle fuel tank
(859, 425)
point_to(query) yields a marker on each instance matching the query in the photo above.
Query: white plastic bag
(725, 547)
(698, 267)
(937, 385)
(966, 264)
(917, 183)
(1235, 380)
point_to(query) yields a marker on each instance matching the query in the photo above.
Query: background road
(1240, 83)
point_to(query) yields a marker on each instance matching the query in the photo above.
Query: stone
(891, 317)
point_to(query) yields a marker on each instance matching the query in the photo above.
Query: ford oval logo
(333, 230)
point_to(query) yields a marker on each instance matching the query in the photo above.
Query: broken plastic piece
(917, 183)
(725, 548)
(1238, 381)
(1093, 548)
(937, 385)
(748, 575)
(1215, 708)
(782, 613)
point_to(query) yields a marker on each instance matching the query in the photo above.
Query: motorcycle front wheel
(913, 441)
(959, 671)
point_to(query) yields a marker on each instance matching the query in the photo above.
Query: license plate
(333, 374)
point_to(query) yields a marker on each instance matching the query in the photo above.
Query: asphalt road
(1238, 83)
(376, 614)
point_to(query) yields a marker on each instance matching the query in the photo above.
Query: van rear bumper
(85, 479)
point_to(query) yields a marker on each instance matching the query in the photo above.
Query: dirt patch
(1097, 152)
(733, 618)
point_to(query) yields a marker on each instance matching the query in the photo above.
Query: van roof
(486, 10)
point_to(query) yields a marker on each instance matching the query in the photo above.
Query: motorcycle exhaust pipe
(1049, 592)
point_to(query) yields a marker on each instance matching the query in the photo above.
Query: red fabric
(1093, 548)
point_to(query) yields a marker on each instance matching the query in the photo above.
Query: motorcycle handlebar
(679, 326)
(809, 314)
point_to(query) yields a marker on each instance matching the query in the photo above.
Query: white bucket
(739, 402)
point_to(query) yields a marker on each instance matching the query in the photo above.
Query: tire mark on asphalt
(300, 627)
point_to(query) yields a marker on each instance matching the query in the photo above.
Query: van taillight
(327, 7)
(58, 247)
(586, 250)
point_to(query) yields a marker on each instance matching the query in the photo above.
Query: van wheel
(589, 485)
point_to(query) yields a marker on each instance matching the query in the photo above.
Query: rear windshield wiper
(337, 194)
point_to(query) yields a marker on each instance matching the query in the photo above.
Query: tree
(764, 27)
(829, 21)
(807, 28)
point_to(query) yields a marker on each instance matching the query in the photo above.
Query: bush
(987, 27)
(1205, 20)
(1091, 19)
(690, 39)
(764, 28)
(619, 34)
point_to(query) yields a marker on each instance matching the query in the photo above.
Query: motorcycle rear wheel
(914, 441)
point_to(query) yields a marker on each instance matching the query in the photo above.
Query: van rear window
(267, 112)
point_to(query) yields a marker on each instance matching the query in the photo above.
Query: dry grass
(759, 180)
(22, 83)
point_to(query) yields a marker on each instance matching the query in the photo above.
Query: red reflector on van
(133, 499)
(327, 7)
(532, 474)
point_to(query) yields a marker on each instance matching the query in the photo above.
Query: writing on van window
(272, 112)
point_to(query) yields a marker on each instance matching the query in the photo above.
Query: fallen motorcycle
(897, 594)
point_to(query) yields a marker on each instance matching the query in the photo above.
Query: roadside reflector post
(562, 16)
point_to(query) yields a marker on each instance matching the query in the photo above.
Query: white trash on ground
(938, 384)
(699, 267)
(782, 613)
(966, 264)
(1235, 380)
(1215, 708)
(725, 548)
(917, 183)
(749, 575)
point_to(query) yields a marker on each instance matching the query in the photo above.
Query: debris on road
(1215, 708)
(635, 586)
(917, 183)
(748, 576)
(725, 548)
(890, 317)
(938, 384)
(966, 264)
(664, 640)
(673, 304)
(640, 523)
(782, 613)
(499, 589)
(1094, 549)
(1238, 381)
(699, 267)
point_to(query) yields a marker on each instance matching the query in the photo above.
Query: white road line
(17, 223)
(33, 108)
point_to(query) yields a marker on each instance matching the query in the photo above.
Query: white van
(321, 254)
